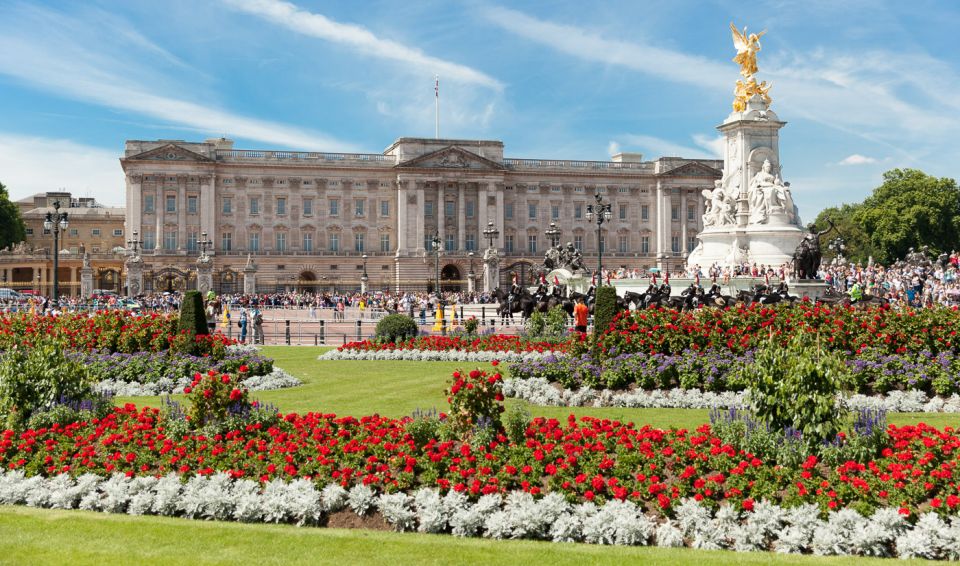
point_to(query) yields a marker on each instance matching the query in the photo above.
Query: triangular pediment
(694, 169)
(169, 152)
(451, 157)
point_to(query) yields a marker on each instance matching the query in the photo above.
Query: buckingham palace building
(319, 221)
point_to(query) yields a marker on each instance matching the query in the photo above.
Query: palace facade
(319, 221)
(94, 230)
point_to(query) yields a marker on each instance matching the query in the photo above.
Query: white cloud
(845, 92)
(712, 144)
(35, 50)
(30, 165)
(857, 159)
(649, 59)
(362, 39)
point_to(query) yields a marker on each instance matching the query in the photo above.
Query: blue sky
(864, 86)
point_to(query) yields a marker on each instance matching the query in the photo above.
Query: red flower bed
(110, 331)
(491, 343)
(589, 458)
(740, 328)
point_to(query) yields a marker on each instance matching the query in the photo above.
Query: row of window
(226, 206)
(359, 208)
(95, 232)
(254, 245)
(359, 242)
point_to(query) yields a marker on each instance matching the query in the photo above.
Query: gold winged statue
(747, 47)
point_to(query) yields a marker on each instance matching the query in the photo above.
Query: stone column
(402, 236)
(498, 215)
(134, 215)
(420, 218)
(441, 214)
(491, 271)
(181, 212)
(205, 274)
(158, 207)
(208, 207)
(134, 276)
(86, 278)
(461, 217)
(683, 221)
(249, 277)
(482, 212)
(662, 218)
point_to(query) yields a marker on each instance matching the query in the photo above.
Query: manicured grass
(399, 388)
(33, 536)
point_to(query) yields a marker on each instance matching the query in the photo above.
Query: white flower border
(277, 379)
(539, 391)
(516, 516)
(436, 355)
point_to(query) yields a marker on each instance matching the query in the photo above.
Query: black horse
(523, 304)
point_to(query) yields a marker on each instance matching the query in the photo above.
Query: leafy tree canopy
(910, 209)
(12, 230)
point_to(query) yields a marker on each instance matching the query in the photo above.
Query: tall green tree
(910, 209)
(857, 241)
(12, 230)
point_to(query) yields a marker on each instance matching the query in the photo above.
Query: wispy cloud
(846, 92)
(30, 165)
(117, 74)
(857, 159)
(582, 44)
(363, 40)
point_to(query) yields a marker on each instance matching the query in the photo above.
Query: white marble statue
(721, 207)
(767, 194)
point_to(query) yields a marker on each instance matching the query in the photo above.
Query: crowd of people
(915, 281)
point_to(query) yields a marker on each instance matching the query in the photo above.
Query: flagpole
(436, 92)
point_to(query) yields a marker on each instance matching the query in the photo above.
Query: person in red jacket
(580, 313)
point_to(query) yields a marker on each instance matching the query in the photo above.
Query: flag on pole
(666, 278)
(653, 280)
(556, 281)
(543, 279)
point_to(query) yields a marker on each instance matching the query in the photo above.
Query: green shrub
(396, 327)
(96, 407)
(536, 325)
(515, 422)
(38, 378)
(556, 323)
(193, 319)
(424, 427)
(604, 308)
(471, 325)
(796, 386)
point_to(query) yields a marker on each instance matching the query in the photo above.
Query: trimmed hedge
(605, 308)
(192, 317)
(396, 327)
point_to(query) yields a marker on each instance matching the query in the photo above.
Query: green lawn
(32, 536)
(399, 388)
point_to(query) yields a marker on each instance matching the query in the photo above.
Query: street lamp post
(135, 242)
(56, 222)
(491, 233)
(203, 243)
(602, 213)
(436, 248)
(553, 234)
(838, 245)
(364, 277)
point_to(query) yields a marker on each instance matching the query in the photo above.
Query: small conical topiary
(192, 317)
